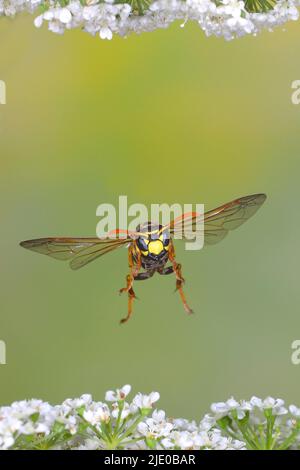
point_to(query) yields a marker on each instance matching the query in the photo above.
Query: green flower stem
(106, 432)
(289, 441)
(245, 433)
(231, 433)
(259, 6)
(261, 437)
(93, 428)
(132, 427)
(259, 440)
(121, 407)
(226, 426)
(132, 441)
(123, 425)
(277, 435)
(270, 426)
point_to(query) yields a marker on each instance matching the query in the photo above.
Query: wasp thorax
(153, 239)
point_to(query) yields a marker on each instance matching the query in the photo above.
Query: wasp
(151, 248)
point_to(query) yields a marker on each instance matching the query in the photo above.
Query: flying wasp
(150, 247)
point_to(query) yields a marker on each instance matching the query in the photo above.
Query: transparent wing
(218, 222)
(79, 251)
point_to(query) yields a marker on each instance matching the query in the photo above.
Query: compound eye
(142, 243)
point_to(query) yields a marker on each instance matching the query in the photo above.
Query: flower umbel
(84, 424)
(261, 424)
(226, 18)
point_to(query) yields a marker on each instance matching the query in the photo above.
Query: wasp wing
(217, 222)
(79, 251)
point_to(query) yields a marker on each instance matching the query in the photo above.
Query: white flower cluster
(83, 424)
(263, 424)
(226, 18)
(12, 7)
(241, 408)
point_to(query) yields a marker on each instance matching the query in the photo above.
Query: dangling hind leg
(179, 279)
(134, 269)
(131, 297)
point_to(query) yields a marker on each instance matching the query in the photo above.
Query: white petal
(255, 401)
(126, 389)
(295, 411)
(154, 396)
(38, 21)
(65, 16)
(105, 33)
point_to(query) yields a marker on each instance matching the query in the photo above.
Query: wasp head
(153, 241)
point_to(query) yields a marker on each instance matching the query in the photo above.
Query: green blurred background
(84, 121)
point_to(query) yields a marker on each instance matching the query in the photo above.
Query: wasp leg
(134, 269)
(179, 279)
(166, 271)
(144, 275)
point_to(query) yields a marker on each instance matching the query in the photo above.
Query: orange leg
(179, 279)
(134, 269)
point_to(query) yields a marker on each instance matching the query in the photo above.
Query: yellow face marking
(155, 247)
